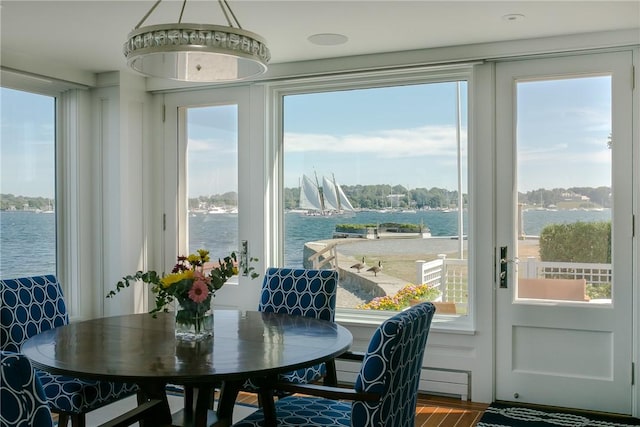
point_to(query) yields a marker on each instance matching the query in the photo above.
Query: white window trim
(334, 82)
(70, 111)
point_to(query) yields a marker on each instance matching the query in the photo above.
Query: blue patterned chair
(23, 403)
(301, 292)
(386, 388)
(32, 305)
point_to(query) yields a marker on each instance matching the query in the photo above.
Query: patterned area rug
(502, 415)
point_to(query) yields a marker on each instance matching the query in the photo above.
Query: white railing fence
(451, 275)
(448, 275)
(595, 274)
(325, 256)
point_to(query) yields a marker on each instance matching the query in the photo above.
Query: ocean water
(27, 244)
(27, 239)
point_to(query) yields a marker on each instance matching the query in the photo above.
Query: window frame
(353, 81)
(71, 107)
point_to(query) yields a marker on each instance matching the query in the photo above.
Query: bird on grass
(376, 268)
(359, 266)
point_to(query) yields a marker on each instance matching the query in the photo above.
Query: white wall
(121, 134)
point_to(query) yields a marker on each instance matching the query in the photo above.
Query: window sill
(441, 323)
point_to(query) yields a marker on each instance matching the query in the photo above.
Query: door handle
(504, 262)
(504, 267)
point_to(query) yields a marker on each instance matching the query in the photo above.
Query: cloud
(212, 145)
(394, 143)
(590, 119)
(559, 154)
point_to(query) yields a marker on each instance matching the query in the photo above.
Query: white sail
(345, 204)
(330, 196)
(326, 202)
(309, 195)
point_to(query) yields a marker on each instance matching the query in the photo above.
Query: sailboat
(323, 201)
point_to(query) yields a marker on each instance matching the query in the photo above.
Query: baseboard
(432, 380)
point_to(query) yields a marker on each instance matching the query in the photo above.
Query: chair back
(391, 368)
(298, 291)
(30, 305)
(23, 401)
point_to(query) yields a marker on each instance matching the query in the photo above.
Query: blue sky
(563, 127)
(27, 145)
(403, 135)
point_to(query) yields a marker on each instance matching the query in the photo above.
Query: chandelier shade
(196, 52)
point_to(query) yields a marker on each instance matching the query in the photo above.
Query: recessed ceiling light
(327, 39)
(512, 17)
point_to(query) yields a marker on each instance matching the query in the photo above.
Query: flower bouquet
(191, 288)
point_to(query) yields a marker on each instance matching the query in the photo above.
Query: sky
(27, 143)
(404, 135)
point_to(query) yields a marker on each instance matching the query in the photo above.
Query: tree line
(597, 197)
(378, 196)
(26, 203)
(383, 196)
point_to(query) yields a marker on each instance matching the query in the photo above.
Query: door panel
(207, 205)
(563, 319)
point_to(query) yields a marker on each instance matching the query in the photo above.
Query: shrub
(588, 242)
(353, 228)
(401, 227)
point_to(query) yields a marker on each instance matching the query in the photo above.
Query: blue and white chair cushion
(22, 398)
(32, 305)
(302, 292)
(391, 368)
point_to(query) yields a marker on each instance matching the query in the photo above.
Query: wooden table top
(139, 348)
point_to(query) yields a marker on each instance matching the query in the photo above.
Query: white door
(564, 309)
(213, 178)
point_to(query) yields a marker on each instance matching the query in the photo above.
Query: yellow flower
(204, 255)
(194, 259)
(173, 278)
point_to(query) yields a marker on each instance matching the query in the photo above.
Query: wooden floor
(434, 411)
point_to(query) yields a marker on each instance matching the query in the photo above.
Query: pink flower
(199, 291)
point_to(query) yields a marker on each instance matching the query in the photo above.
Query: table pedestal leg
(228, 395)
(161, 416)
(268, 406)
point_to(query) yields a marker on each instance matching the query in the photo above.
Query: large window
(27, 187)
(375, 183)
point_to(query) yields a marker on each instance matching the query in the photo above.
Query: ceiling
(88, 35)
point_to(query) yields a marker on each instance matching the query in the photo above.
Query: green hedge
(577, 242)
(353, 228)
(401, 227)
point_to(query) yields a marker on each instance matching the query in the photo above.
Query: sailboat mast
(320, 192)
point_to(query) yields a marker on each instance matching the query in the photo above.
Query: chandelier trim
(196, 52)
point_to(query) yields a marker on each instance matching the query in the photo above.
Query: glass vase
(194, 321)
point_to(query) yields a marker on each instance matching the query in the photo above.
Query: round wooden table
(141, 349)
